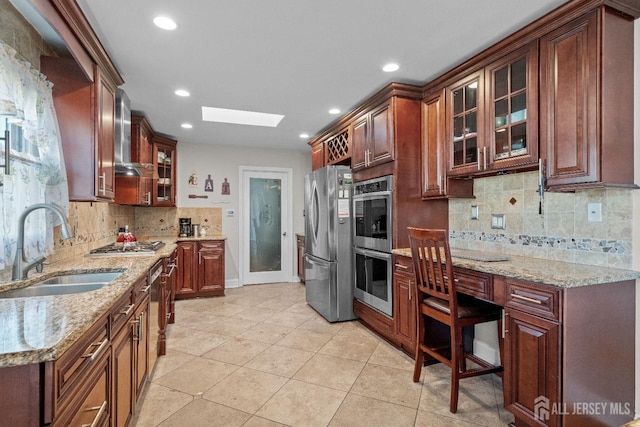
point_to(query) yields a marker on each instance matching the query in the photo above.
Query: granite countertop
(207, 237)
(40, 329)
(550, 272)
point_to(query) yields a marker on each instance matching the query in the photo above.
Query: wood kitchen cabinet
(200, 269)
(85, 107)
(300, 253)
(338, 147)
(373, 137)
(164, 157)
(404, 316)
(138, 190)
(491, 116)
(586, 102)
(130, 325)
(317, 155)
(435, 182)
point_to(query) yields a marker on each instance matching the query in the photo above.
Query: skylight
(240, 117)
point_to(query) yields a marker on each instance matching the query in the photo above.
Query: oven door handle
(371, 196)
(372, 254)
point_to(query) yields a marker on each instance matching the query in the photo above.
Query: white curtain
(37, 171)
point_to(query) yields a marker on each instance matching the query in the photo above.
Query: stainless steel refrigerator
(328, 243)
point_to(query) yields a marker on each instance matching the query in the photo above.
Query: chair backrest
(432, 263)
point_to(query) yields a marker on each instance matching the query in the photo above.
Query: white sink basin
(64, 284)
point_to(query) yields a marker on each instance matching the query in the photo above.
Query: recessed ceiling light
(304, 135)
(391, 67)
(187, 125)
(182, 92)
(165, 23)
(334, 111)
(240, 117)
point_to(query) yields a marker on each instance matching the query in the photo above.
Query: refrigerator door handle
(314, 211)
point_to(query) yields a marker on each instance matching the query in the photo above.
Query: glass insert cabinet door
(512, 106)
(492, 116)
(465, 123)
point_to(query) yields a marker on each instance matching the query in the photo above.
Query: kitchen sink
(64, 284)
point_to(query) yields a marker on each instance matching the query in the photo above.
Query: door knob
(284, 234)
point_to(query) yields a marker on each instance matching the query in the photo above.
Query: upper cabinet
(84, 88)
(434, 160)
(317, 155)
(137, 190)
(85, 106)
(164, 157)
(491, 116)
(373, 137)
(586, 97)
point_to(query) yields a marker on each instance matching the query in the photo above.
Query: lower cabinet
(130, 347)
(200, 269)
(532, 366)
(97, 381)
(404, 318)
(300, 252)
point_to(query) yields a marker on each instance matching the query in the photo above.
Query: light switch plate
(498, 221)
(594, 212)
(231, 212)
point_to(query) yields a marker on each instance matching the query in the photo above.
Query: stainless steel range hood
(123, 164)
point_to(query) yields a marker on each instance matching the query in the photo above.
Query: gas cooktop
(134, 248)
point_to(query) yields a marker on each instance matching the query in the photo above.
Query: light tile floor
(260, 356)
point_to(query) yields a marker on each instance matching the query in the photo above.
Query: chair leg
(419, 359)
(457, 361)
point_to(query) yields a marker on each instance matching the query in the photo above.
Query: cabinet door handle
(410, 286)
(148, 197)
(101, 346)
(404, 267)
(478, 158)
(146, 289)
(528, 299)
(484, 157)
(199, 257)
(7, 153)
(504, 323)
(101, 409)
(141, 327)
(103, 187)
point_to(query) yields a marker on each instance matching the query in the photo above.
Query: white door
(266, 239)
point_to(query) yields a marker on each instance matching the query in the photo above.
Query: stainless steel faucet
(21, 265)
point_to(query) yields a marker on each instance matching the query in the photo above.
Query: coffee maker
(185, 227)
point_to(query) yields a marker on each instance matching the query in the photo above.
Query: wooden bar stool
(436, 297)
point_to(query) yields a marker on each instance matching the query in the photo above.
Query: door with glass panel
(266, 237)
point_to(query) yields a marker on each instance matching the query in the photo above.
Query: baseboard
(231, 283)
(486, 352)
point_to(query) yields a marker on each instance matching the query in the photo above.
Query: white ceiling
(298, 58)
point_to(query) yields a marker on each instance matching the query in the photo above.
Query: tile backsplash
(96, 224)
(562, 232)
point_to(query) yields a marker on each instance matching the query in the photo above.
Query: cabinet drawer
(74, 365)
(211, 245)
(91, 404)
(403, 265)
(141, 290)
(475, 283)
(533, 298)
(122, 310)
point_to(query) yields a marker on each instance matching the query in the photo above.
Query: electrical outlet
(498, 221)
(474, 212)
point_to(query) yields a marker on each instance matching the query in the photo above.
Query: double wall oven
(372, 242)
